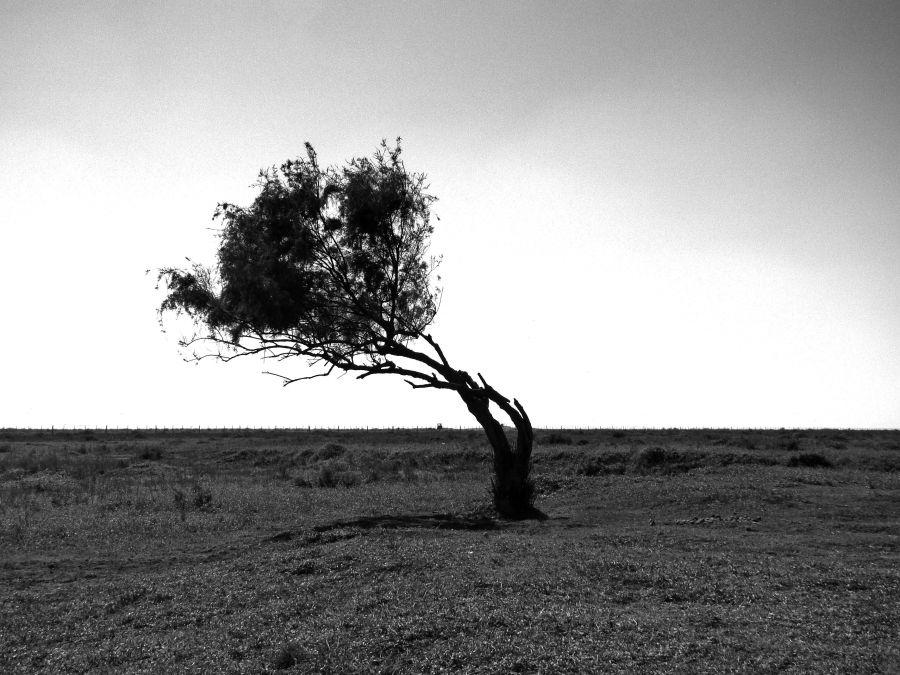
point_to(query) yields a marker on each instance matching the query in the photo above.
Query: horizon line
(311, 428)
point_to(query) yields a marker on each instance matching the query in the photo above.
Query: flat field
(376, 552)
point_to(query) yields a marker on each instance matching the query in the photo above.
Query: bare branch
(426, 385)
(437, 348)
(494, 394)
(522, 411)
(290, 380)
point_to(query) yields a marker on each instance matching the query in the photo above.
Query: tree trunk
(513, 490)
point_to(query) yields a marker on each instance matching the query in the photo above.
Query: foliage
(331, 264)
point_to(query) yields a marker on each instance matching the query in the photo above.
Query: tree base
(514, 500)
(529, 513)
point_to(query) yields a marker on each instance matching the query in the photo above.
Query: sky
(652, 214)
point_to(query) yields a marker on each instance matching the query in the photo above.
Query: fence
(308, 428)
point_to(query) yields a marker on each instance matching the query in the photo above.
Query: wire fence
(101, 429)
(261, 429)
(298, 429)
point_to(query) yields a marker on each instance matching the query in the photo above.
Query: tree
(332, 264)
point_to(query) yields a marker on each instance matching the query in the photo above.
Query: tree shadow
(475, 521)
(439, 521)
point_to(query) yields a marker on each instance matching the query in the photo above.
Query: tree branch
(522, 411)
(437, 348)
(493, 393)
(290, 380)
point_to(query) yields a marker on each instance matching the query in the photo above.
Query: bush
(604, 463)
(201, 497)
(744, 442)
(288, 656)
(331, 451)
(648, 458)
(728, 458)
(151, 452)
(660, 459)
(592, 467)
(330, 475)
(558, 439)
(811, 460)
(327, 477)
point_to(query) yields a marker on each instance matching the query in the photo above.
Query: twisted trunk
(514, 492)
(513, 489)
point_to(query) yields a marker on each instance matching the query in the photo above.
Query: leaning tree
(332, 264)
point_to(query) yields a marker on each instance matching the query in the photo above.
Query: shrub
(180, 503)
(648, 458)
(727, 458)
(659, 459)
(201, 497)
(330, 475)
(289, 656)
(558, 439)
(284, 469)
(592, 466)
(18, 529)
(744, 442)
(331, 451)
(327, 477)
(810, 459)
(151, 452)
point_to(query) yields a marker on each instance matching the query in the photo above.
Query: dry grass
(667, 551)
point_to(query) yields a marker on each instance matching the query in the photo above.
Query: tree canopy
(331, 264)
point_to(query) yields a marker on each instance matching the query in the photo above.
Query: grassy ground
(663, 551)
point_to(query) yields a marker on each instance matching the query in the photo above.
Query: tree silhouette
(332, 264)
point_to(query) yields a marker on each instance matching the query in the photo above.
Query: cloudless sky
(651, 213)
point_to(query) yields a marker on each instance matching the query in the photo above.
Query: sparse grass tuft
(151, 452)
(198, 497)
(289, 655)
(648, 458)
(331, 474)
(201, 496)
(603, 464)
(657, 459)
(331, 451)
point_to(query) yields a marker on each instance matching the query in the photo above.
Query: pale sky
(652, 214)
